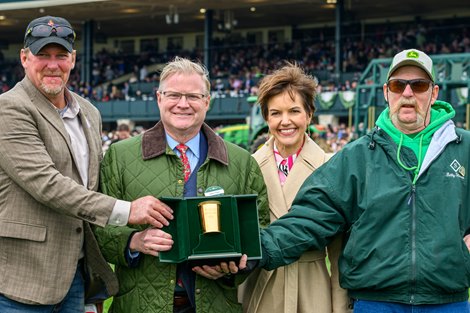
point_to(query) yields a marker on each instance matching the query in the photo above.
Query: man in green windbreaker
(400, 195)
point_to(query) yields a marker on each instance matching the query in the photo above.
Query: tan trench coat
(306, 285)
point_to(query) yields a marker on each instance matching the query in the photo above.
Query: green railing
(222, 108)
(452, 72)
(147, 110)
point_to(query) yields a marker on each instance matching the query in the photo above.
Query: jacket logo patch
(459, 170)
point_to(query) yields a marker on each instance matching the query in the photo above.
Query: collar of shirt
(71, 108)
(193, 148)
(284, 166)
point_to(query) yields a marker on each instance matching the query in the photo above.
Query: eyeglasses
(173, 96)
(46, 30)
(417, 85)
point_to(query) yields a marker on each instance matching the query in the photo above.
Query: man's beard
(52, 90)
(420, 116)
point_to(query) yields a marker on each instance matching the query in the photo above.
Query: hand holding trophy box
(214, 229)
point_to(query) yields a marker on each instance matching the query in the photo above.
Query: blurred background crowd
(238, 66)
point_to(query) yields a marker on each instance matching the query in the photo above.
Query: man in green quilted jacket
(179, 157)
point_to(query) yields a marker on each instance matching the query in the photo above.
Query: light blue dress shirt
(193, 149)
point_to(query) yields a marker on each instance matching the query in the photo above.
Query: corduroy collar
(154, 143)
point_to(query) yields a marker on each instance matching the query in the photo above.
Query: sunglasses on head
(417, 85)
(46, 30)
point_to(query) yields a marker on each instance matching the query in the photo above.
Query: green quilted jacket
(145, 165)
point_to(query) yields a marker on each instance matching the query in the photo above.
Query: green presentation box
(238, 231)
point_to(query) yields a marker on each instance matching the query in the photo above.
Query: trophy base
(213, 243)
(212, 249)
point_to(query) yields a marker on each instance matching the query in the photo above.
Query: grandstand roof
(147, 17)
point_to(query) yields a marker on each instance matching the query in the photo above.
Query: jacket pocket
(466, 261)
(129, 302)
(350, 249)
(18, 230)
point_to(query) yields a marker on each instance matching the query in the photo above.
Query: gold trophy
(209, 211)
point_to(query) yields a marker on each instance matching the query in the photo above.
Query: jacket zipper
(412, 202)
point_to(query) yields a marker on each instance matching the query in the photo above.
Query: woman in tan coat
(286, 160)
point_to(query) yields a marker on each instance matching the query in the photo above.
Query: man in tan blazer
(50, 149)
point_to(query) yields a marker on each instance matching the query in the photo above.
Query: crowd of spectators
(238, 65)
(330, 138)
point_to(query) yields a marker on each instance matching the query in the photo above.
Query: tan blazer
(44, 210)
(304, 286)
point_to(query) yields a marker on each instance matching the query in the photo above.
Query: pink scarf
(284, 166)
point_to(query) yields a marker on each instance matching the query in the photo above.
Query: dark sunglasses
(417, 85)
(46, 30)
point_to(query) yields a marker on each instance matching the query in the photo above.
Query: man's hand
(151, 241)
(150, 210)
(221, 270)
